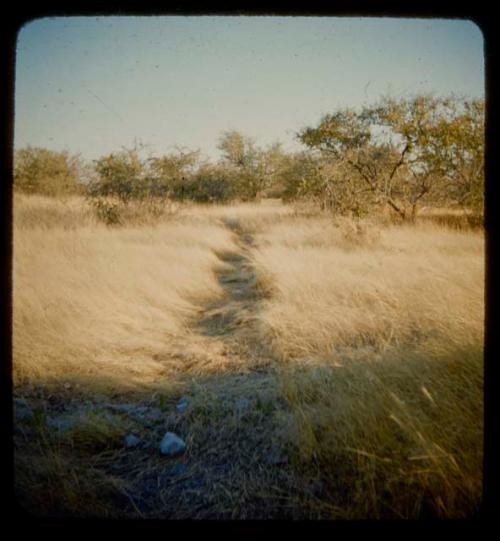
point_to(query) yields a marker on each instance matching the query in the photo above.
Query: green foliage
(464, 157)
(301, 176)
(239, 158)
(254, 170)
(119, 175)
(166, 175)
(210, 184)
(399, 151)
(444, 142)
(45, 172)
(338, 133)
(272, 163)
(129, 187)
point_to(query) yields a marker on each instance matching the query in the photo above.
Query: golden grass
(380, 336)
(101, 304)
(249, 215)
(410, 281)
(375, 332)
(41, 212)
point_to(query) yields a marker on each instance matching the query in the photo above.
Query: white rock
(171, 445)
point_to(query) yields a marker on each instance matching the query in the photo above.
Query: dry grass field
(332, 369)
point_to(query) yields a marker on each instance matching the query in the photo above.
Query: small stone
(182, 405)
(171, 445)
(131, 440)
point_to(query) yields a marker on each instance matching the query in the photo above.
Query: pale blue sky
(91, 84)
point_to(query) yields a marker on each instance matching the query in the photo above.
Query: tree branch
(400, 162)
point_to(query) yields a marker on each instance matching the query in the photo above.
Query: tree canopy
(398, 151)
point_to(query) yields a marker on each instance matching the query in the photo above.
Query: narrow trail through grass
(234, 466)
(327, 374)
(222, 317)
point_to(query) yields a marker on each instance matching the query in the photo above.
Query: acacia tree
(241, 157)
(442, 140)
(403, 150)
(365, 169)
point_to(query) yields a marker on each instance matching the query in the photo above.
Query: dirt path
(235, 465)
(225, 317)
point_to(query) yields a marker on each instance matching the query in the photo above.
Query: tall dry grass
(380, 333)
(375, 332)
(104, 305)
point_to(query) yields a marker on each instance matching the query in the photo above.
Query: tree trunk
(393, 205)
(414, 212)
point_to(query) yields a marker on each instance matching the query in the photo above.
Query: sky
(91, 85)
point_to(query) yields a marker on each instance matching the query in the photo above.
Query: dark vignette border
(480, 13)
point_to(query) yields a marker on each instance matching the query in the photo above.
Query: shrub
(106, 211)
(45, 172)
(119, 175)
(210, 184)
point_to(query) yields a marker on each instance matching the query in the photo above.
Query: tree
(241, 157)
(271, 163)
(461, 140)
(301, 177)
(41, 171)
(366, 169)
(119, 175)
(168, 174)
(237, 149)
(402, 150)
(443, 144)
